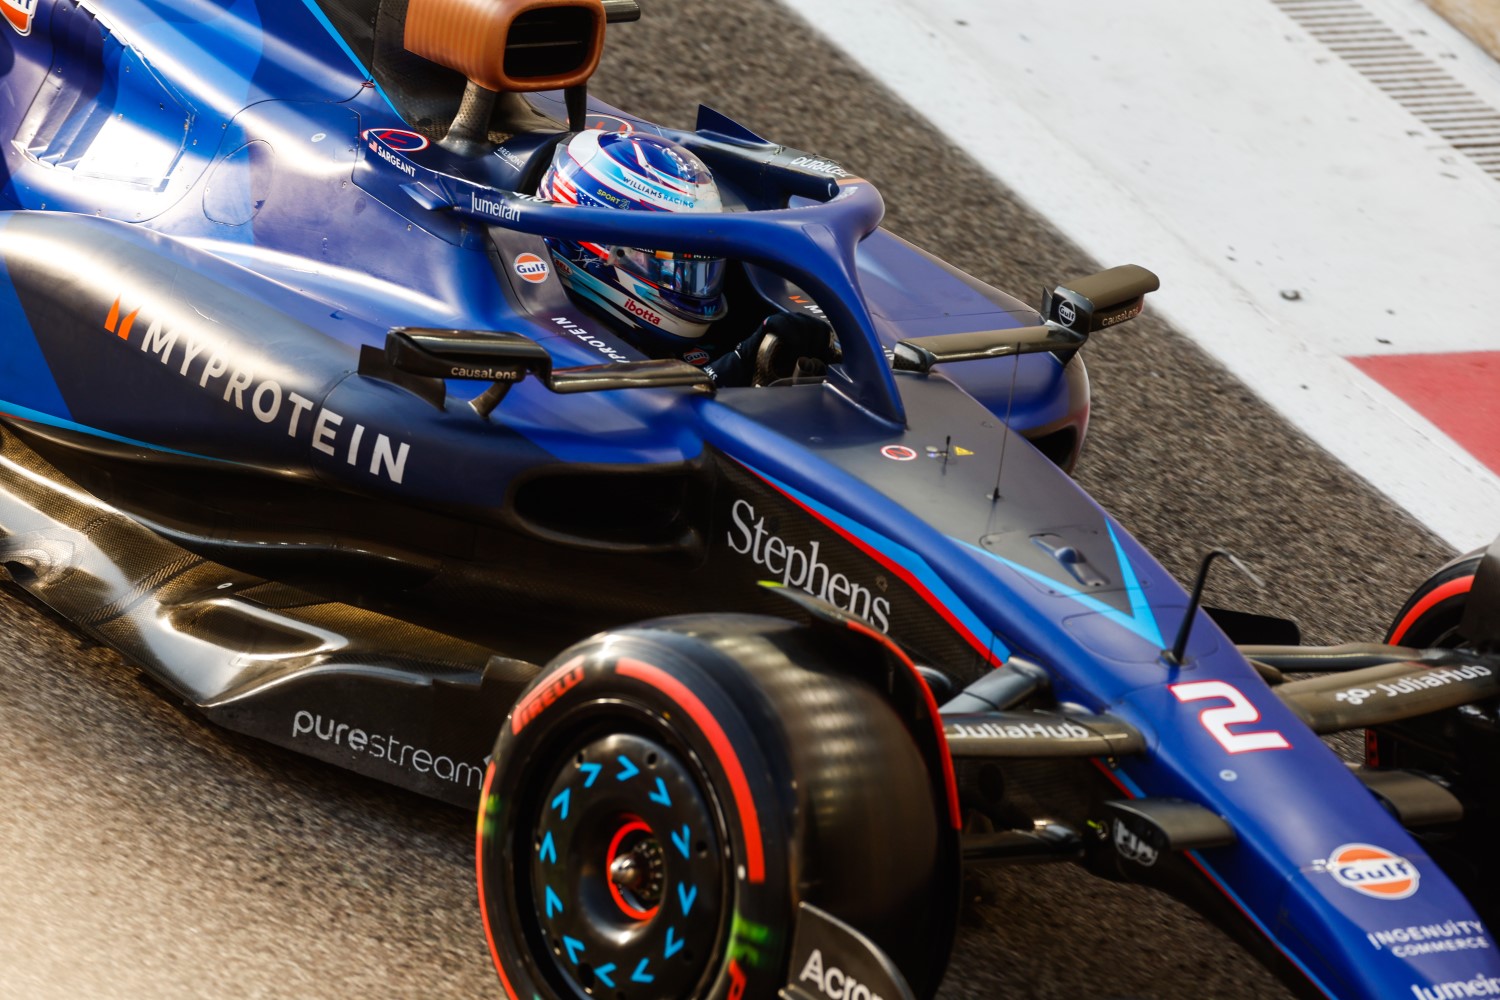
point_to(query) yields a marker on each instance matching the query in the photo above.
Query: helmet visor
(684, 273)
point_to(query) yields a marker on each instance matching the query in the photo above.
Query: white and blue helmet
(672, 296)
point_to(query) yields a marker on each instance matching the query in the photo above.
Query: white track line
(1223, 146)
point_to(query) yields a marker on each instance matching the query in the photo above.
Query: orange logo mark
(19, 14)
(113, 324)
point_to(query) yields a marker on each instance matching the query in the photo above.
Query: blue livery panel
(214, 214)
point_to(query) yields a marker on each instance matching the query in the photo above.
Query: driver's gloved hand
(785, 337)
(786, 340)
(802, 336)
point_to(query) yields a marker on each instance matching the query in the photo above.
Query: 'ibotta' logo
(1373, 871)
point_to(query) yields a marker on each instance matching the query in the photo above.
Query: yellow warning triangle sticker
(961, 451)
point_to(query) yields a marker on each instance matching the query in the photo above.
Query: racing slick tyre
(1461, 746)
(1430, 617)
(663, 797)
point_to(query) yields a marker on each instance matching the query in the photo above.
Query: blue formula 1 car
(296, 413)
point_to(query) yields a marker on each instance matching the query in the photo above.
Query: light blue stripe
(1140, 621)
(364, 70)
(1140, 608)
(37, 416)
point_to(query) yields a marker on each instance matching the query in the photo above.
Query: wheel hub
(627, 876)
(636, 869)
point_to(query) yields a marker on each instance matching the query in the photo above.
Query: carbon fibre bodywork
(213, 214)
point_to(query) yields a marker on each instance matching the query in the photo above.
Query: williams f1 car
(297, 415)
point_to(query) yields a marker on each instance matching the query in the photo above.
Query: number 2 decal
(1218, 720)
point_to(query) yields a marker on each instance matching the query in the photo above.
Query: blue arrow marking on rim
(592, 770)
(627, 769)
(682, 840)
(574, 946)
(553, 903)
(660, 795)
(687, 895)
(640, 975)
(549, 849)
(673, 945)
(603, 972)
(561, 802)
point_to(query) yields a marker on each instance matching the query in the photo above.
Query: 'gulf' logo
(531, 267)
(1373, 871)
(19, 13)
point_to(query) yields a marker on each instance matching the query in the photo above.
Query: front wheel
(663, 797)
(1430, 617)
(1461, 746)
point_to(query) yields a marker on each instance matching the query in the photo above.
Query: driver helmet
(670, 297)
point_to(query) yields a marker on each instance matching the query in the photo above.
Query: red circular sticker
(397, 138)
(531, 267)
(898, 453)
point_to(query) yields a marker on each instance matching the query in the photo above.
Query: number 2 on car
(1218, 720)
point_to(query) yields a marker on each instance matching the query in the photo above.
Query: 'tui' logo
(1373, 871)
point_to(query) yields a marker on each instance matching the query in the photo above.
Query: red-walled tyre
(1461, 747)
(1430, 617)
(662, 797)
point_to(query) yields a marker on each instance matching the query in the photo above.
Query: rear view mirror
(488, 355)
(421, 360)
(1099, 301)
(1071, 312)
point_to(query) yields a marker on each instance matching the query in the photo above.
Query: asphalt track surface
(144, 853)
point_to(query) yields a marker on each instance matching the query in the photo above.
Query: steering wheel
(794, 347)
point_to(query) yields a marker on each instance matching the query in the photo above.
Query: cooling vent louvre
(1409, 77)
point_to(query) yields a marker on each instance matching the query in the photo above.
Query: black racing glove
(772, 352)
(793, 344)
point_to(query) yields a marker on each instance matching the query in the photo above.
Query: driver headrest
(510, 45)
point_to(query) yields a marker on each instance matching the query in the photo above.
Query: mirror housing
(1070, 312)
(489, 355)
(421, 359)
(919, 354)
(1099, 301)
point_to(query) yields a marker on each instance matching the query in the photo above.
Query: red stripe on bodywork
(1461, 585)
(755, 856)
(928, 597)
(484, 915)
(1214, 881)
(1113, 778)
(950, 780)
